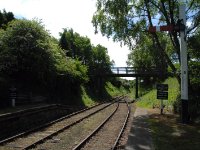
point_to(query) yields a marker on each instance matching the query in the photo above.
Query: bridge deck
(131, 72)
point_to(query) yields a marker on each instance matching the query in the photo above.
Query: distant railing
(127, 72)
(134, 70)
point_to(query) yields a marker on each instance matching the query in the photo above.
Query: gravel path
(19, 143)
(105, 138)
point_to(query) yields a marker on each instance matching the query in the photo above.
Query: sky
(59, 14)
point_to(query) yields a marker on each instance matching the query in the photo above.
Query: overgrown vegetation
(127, 21)
(150, 100)
(60, 70)
(86, 99)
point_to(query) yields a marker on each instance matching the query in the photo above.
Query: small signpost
(162, 94)
(13, 95)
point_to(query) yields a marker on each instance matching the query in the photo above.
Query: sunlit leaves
(27, 50)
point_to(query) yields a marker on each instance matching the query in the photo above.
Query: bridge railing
(127, 71)
(134, 70)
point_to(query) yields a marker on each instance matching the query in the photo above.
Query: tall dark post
(136, 87)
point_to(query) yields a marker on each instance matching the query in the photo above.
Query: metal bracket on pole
(180, 26)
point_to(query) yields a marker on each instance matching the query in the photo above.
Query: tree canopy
(27, 51)
(36, 63)
(127, 22)
(5, 17)
(80, 48)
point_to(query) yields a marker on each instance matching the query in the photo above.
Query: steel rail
(16, 118)
(44, 125)
(62, 129)
(33, 110)
(80, 145)
(2, 142)
(26, 112)
(123, 127)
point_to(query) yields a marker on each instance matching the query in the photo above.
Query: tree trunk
(162, 51)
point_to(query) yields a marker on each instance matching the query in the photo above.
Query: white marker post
(184, 64)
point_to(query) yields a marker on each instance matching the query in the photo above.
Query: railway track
(26, 111)
(107, 135)
(34, 137)
(28, 118)
(102, 132)
(51, 135)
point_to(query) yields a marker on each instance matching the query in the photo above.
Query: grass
(169, 134)
(110, 89)
(114, 91)
(87, 101)
(149, 100)
(167, 131)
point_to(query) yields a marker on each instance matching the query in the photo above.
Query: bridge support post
(136, 88)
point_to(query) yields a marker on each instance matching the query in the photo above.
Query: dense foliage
(28, 51)
(194, 73)
(79, 47)
(38, 64)
(96, 58)
(5, 17)
(31, 59)
(127, 22)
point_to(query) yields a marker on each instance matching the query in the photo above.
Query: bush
(33, 59)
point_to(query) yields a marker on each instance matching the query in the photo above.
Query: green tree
(5, 17)
(84, 49)
(101, 58)
(193, 45)
(96, 58)
(125, 21)
(67, 42)
(26, 51)
(194, 63)
(32, 59)
(76, 46)
(142, 55)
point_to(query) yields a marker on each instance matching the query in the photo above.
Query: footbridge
(130, 72)
(134, 72)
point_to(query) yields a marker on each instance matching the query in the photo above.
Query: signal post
(180, 27)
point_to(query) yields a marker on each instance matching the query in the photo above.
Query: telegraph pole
(184, 64)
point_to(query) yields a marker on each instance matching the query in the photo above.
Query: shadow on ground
(169, 134)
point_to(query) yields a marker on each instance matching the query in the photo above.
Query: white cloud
(59, 14)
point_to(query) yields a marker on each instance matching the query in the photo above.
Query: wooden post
(161, 107)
